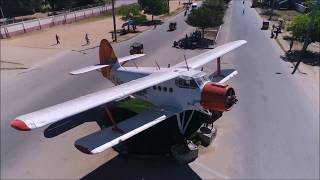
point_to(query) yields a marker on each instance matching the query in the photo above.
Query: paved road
(272, 132)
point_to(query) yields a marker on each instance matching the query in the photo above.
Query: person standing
(277, 32)
(87, 38)
(57, 39)
(272, 34)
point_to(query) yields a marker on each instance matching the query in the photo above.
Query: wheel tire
(183, 155)
(206, 139)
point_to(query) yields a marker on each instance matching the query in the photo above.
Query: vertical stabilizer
(107, 56)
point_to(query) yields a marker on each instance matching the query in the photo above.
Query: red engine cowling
(217, 97)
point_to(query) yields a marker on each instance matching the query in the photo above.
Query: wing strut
(115, 128)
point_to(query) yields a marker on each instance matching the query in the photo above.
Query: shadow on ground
(129, 167)
(143, 156)
(309, 58)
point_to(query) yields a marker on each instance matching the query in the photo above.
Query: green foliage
(13, 8)
(299, 27)
(216, 5)
(135, 105)
(154, 7)
(140, 19)
(209, 15)
(129, 11)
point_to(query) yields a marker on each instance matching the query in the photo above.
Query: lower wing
(106, 138)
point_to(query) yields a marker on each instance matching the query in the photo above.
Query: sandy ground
(38, 46)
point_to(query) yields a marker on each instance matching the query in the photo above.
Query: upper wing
(60, 111)
(202, 59)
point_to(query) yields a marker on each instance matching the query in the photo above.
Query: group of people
(86, 37)
(275, 31)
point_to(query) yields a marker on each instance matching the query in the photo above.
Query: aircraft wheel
(185, 153)
(207, 137)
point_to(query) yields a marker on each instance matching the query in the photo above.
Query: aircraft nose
(19, 125)
(218, 97)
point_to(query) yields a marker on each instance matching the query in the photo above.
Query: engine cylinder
(217, 97)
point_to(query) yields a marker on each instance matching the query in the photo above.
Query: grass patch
(134, 104)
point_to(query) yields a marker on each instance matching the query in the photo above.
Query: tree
(154, 7)
(299, 28)
(12, 8)
(205, 17)
(129, 10)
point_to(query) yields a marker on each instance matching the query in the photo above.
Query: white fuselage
(174, 93)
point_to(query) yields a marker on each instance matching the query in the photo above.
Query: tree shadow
(310, 58)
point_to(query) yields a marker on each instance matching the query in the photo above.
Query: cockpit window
(186, 83)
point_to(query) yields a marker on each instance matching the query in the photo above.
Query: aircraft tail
(107, 57)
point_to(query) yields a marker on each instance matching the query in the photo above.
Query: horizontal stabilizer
(87, 69)
(106, 138)
(128, 58)
(225, 75)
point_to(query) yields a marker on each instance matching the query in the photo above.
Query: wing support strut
(183, 122)
(114, 124)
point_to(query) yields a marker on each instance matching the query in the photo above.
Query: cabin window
(165, 89)
(154, 87)
(170, 90)
(186, 83)
(159, 88)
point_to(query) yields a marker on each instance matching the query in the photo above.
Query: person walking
(57, 39)
(87, 38)
(242, 12)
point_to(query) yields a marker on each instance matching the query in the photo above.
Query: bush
(140, 19)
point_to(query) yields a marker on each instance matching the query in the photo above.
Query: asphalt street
(273, 132)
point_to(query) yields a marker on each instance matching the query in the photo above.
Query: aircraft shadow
(145, 155)
(129, 167)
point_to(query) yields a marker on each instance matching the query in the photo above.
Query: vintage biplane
(172, 90)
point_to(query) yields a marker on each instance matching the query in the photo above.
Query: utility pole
(272, 7)
(310, 27)
(114, 23)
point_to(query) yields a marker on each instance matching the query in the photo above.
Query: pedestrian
(243, 2)
(291, 45)
(185, 13)
(155, 25)
(242, 12)
(57, 39)
(277, 32)
(179, 3)
(273, 26)
(87, 38)
(272, 34)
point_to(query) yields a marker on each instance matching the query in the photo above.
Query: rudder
(106, 56)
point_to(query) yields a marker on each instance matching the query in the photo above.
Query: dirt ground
(37, 46)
